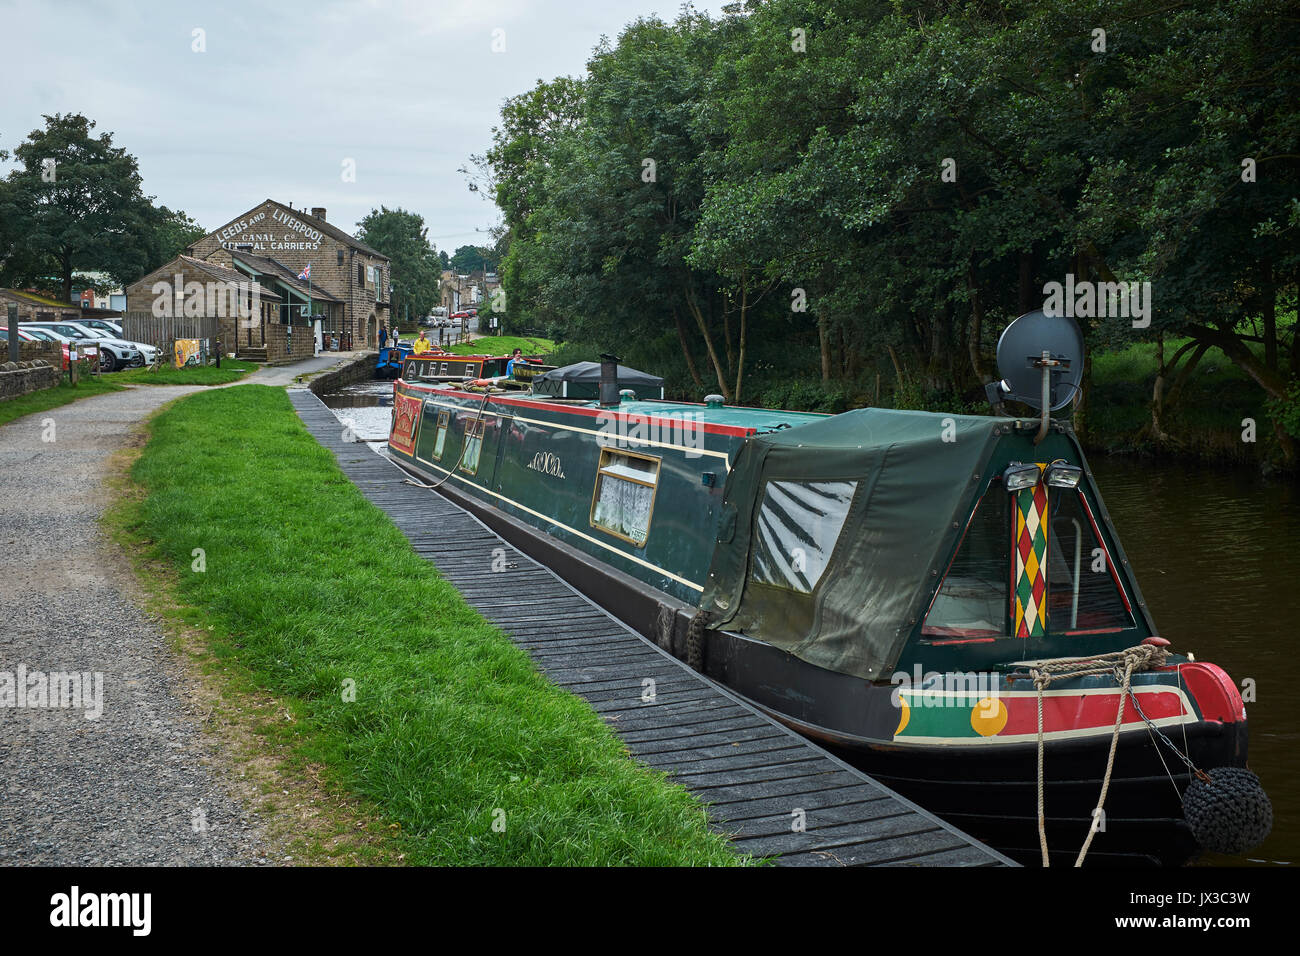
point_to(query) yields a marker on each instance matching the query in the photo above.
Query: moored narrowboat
(910, 589)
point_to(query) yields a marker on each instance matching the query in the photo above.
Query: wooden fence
(162, 331)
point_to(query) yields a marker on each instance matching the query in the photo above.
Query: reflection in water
(1214, 553)
(366, 408)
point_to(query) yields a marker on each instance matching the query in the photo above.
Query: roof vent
(627, 395)
(713, 401)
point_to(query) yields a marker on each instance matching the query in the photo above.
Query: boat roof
(761, 420)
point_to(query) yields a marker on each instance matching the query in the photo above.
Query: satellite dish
(1022, 364)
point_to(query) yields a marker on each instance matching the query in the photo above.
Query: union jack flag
(306, 272)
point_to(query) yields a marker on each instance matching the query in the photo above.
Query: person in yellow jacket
(421, 344)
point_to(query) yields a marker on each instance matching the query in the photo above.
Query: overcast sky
(287, 91)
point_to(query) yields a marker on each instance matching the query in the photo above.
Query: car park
(114, 353)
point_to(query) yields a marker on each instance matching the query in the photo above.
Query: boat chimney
(608, 380)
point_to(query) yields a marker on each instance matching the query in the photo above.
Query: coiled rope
(1119, 664)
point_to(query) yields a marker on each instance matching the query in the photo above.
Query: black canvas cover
(834, 534)
(583, 379)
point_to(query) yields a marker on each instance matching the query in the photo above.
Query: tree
(416, 268)
(76, 204)
(467, 259)
(173, 232)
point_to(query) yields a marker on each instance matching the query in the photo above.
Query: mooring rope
(1119, 664)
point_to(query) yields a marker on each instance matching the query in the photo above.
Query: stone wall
(20, 378)
(283, 347)
(48, 352)
(358, 370)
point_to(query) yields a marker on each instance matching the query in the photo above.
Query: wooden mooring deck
(757, 778)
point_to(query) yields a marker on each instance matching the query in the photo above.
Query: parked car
(114, 353)
(150, 352)
(104, 325)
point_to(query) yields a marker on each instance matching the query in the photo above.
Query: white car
(114, 353)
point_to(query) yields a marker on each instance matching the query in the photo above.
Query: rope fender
(695, 633)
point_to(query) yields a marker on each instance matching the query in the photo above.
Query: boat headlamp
(1060, 475)
(1018, 477)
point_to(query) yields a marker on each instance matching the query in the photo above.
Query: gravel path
(132, 786)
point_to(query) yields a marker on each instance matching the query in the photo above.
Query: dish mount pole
(1046, 363)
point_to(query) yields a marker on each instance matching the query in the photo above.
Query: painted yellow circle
(904, 714)
(988, 716)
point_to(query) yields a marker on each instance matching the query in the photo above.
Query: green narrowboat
(889, 583)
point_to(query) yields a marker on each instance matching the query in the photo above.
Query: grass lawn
(232, 370)
(62, 394)
(503, 345)
(308, 587)
(1206, 420)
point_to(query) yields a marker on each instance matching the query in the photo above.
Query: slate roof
(264, 265)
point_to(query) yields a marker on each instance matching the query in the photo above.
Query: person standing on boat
(422, 344)
(516, 358)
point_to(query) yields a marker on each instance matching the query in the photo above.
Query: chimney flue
(609, 380)
(318, 212)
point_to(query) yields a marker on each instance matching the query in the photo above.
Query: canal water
(1215, 553)
(366, 408)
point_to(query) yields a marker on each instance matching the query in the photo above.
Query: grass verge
(232, 370)
(400, 692)
(504, 345)
(1205, 422)
(47, 398)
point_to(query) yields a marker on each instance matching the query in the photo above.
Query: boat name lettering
(547, 463)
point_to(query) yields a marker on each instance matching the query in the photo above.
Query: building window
(361, 275)
(624, 497)
(473, 446)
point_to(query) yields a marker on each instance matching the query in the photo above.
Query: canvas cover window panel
(625, 495)
(798, 525)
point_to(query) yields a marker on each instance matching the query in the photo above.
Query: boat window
(623, 501)
(440, 436)
(1083, 594)
(443, 370)
(473, 446)
(798, 525)
(972, 600)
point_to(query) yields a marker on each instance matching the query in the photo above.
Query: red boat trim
(963, 640)
(709, 428)
(1099, 630)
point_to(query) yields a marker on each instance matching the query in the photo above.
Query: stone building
(271, 245)
(33, 307)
